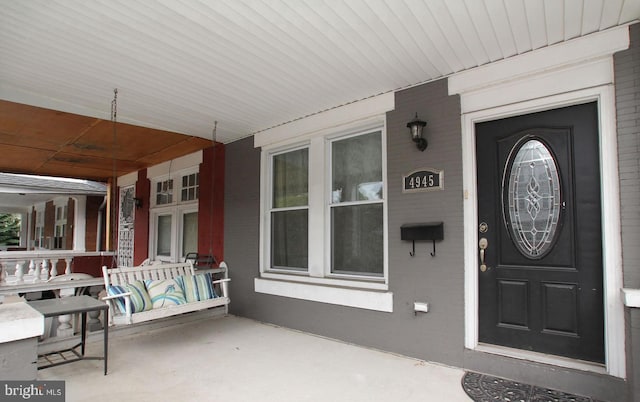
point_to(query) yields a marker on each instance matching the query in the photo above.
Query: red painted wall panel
(141, 224)
(211, 203)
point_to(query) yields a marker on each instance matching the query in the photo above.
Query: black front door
(540, 250)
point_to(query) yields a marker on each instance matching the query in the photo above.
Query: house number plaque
(423, 180)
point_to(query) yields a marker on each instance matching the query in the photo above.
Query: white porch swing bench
(125, 280)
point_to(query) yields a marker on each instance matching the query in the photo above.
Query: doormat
(485, 388)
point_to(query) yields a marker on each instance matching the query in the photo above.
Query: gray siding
(437, 335)
(627, 74)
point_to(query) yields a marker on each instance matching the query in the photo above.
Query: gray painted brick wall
(437, 335)
(627, 84)
(627, 76)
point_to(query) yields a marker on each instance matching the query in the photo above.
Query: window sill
(369, 299)
(631, 297)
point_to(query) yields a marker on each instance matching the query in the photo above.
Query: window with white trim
(174, 216)
(332, 233)
(164, 192)
(190, 187)
(356, 207)
(289, 210)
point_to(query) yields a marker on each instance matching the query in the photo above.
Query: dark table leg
(84, 331)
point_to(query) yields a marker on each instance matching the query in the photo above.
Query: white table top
(19, 321)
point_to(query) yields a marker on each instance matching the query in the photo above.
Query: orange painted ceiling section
(41, 141)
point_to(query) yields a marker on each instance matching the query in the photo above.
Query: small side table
(72, 305)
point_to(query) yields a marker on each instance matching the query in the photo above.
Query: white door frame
(573, 72)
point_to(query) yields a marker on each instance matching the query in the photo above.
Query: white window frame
(372, 279)
(319, 207)
(196, 187)
(183, 210)
(153, 246)
(176, 209)
(270, 209)
(318, 284)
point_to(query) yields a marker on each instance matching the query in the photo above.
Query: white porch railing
(31, 267)
(31, 272)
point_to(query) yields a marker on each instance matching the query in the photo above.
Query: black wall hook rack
(422, 231)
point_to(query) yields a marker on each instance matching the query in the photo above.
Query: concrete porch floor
(237, 359)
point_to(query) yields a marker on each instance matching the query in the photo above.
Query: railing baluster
(44, 272)
(32, 270)
(54, 267)
(20, 271)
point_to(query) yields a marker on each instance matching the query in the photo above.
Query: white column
(79, 222)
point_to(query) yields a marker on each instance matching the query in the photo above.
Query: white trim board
(359, 298)
(582, 71)
(336, 118)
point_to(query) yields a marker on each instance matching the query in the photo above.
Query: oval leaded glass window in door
(533, 198)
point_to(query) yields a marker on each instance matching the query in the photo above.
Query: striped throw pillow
(197, 287)
(140, 300)
(114, 290)
(165, 292)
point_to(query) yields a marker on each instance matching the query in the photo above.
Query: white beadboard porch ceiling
(180, 65)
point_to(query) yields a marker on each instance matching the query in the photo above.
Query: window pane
(189, 233)
(356, 168)
(289, 239)
(163, 245)
(189, 187)
(291, 179)
(357, 239)
(534, 198)
(164, 193)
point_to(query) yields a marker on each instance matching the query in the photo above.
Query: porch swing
(154, 291)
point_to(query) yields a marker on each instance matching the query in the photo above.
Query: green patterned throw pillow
(165, 293)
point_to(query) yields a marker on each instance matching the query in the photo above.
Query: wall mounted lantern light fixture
(415, 126)
(138, 202)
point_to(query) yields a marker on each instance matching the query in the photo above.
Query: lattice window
(125, 227)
